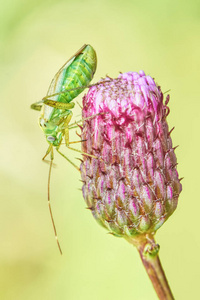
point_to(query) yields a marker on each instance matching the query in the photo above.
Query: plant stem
(148, 251)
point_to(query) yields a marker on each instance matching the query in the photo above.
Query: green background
(37, 37)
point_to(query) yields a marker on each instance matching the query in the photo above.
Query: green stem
(148, 251)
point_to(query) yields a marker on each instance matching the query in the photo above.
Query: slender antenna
(49, 204)
(77, 88)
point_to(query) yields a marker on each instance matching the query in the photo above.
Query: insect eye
(51, 138)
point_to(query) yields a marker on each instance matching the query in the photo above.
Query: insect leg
(37, 105)
(50, 150)
(75, 124)
(66, 134)
(75, 166)
(59, 105)
(66, 128)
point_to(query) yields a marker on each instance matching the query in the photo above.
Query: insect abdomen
(79, 73)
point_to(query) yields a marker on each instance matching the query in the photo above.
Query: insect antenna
(49, 204)
(78, 88)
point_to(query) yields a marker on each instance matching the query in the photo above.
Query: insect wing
(57, 81)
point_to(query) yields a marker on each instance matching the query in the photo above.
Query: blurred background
(37, 37)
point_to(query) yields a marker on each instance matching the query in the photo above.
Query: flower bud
(130, 181)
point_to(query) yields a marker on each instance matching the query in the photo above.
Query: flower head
(130, 181)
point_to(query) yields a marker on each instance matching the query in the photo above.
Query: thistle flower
(130, 181)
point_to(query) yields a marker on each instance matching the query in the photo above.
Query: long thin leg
(68, 160)
(76, 142)
(66, 133)
(47, 152)
(74, 125)
(59, 105)
(49, 204)
(84, 153)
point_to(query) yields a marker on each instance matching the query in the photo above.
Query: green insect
(56, 108)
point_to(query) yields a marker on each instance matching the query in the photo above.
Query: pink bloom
(131, 184)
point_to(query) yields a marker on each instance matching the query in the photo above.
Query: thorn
(90, 208)
(110, 233)
(78, 158)
(108, 76)
(171, 131)
(175, 165)
(81, 127)
(181, 178)
(166, 112)
(167, 98)
(114, 234)
(174, 148)
(79, 135)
